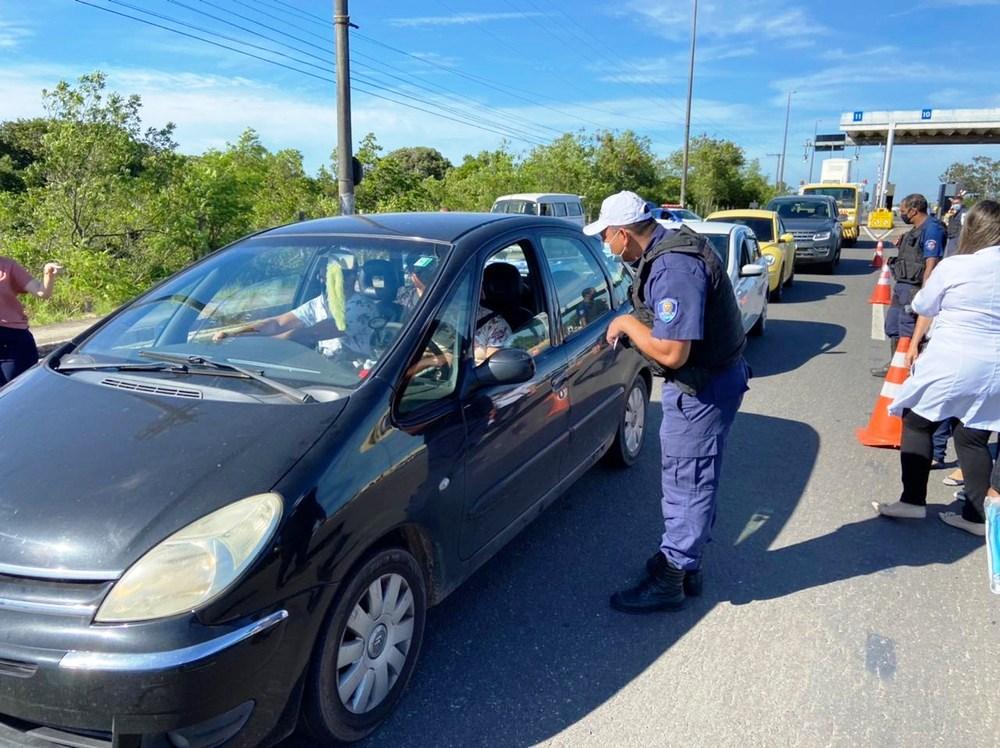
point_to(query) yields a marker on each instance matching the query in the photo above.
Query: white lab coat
(958, 374)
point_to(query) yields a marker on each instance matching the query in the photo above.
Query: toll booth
(919, 127)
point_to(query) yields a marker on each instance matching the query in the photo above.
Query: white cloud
(750, 21)
(12, 34)
(460, 19)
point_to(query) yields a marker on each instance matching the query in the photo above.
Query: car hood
(93, 477)
(809, 224)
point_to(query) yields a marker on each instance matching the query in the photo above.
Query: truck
(835, 181)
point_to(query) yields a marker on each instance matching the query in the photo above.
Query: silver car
(740, 254)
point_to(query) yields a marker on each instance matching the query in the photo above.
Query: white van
(555, 204)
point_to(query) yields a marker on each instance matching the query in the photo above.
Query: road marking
(756, 521)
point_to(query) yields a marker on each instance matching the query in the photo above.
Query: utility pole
(813, 157)
(777, 167)
(784, 142)
(687, 118)
(345, 171)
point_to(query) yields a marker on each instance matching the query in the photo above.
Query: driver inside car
(315, 323)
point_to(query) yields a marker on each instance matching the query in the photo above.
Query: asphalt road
(821, 624)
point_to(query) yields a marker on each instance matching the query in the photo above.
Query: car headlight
(194, 565)
(822, 236)
(769, 260)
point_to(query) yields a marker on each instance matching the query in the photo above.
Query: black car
(226, 508)
(815, 222)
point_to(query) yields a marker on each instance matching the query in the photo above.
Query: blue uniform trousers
(899, 322)
(692, 440)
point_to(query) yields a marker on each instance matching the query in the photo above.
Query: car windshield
(522, 207)
(720, 243)
(800, 209)
(685, 215)
(760, 226)
(308, 310)
(843, 195)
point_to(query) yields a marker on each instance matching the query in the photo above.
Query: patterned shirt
(360, 311)
(492, 330)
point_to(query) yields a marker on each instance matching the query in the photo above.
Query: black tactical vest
(908, 265)
(724, 341)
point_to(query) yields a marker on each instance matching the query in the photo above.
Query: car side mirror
(752, 270)
(786, 238)
(506, 366)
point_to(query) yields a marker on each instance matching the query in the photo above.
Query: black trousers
(973, 457)
(17, 353)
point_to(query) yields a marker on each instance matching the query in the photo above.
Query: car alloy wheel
(632, 428)
(369, 648)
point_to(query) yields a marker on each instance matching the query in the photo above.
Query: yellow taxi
(776, 244)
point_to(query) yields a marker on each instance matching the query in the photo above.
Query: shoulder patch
(666, 310)
(930, 244)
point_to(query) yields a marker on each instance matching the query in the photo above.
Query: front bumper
(143, 684)
(807, 253)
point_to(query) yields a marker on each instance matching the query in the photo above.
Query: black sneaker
(662, 591)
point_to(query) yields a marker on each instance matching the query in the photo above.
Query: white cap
(621, 209)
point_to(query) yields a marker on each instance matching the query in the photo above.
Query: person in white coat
(957, 375)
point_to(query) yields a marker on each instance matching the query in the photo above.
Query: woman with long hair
(958, 373)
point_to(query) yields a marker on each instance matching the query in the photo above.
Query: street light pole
(784, 143)
(345, 170)
(777, 166)
(813, 156)
(687, 118)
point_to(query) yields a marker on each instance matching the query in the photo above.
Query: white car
(740, 254)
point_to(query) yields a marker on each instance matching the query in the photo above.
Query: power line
(513, 131)
(294, 69)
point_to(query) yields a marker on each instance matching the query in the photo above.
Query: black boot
(881, 372)
(663, 590)
(693, 583)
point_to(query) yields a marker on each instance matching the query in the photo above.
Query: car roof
(537, 196)
(705, 227)
(800, 198)
(744, 213)
(438, 226)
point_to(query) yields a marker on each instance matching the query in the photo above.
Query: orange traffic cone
(878, 260)
(884, 430)
(882, 293)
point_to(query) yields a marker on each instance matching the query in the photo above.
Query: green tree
(422, 161)
(980, 177)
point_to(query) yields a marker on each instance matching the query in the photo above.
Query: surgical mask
(607, 248)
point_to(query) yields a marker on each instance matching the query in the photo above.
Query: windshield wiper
(193, 360)
(120, 366)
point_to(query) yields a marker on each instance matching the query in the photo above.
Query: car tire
(775, 295)
(358, 648)
(760, 326)
(631, 432)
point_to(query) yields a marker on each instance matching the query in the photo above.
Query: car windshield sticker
(666, 310)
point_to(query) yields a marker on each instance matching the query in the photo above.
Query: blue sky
(526, 70)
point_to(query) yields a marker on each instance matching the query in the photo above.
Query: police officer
(686, 323)
(919, 251)
(955, 219)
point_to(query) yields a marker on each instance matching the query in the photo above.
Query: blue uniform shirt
(932, 238)
(676, 290)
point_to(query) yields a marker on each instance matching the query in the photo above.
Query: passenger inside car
(340, 320)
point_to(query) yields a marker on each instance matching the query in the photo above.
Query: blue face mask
(607, 248)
